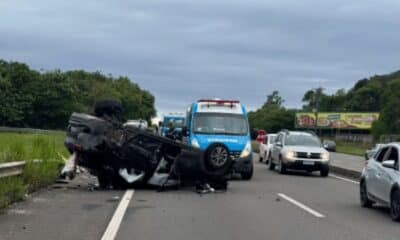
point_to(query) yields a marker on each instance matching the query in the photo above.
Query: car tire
(324, 171)
(281, 166)
(260, 159)
(395, 205)
(214, 163)
(249, 174)
(364, 200)
(271, 164)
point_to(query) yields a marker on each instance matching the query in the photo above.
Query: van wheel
(249, 174)
(395, 205)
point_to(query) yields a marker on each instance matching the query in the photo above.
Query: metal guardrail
(11, 169)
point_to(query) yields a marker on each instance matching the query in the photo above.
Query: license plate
(308, 163)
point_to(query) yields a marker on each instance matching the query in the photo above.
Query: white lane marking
(115, 223)
(302, 206)
(344, 179)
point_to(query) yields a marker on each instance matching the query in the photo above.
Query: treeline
(29, 98)
(376, 94)
(272, 116)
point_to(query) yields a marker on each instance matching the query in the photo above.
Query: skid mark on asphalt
(343, 179)
(115, 223)
(301, 206)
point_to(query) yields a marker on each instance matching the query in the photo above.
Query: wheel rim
(395, 209)
(219, 156)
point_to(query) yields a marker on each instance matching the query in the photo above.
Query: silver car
(300, 151)
(380, 180)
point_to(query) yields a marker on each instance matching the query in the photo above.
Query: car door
(374, 171)
(275, 149)
(388, 175)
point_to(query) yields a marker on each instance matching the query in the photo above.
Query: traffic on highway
(199, 120)
(210, 148)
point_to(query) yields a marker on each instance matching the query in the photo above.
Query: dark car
(329, 145)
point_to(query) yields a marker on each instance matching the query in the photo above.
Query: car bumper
(308, 165)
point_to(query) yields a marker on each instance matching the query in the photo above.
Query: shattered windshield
(219, 123)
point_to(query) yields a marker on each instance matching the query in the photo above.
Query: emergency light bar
(218, 101)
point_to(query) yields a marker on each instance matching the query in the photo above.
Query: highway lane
(253, 210)
(271, 206)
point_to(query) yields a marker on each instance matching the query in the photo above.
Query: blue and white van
(221, 129)
(177, 119)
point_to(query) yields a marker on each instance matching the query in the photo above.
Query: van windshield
(177, 122)
(220, 123)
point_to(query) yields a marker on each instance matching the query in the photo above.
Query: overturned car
(122, 156)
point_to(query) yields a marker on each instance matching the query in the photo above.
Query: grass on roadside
(43, 154)
(352, 148)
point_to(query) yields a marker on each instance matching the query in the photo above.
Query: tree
(273, 99)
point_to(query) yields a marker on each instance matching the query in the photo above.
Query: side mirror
(279, 144)
(389, 164)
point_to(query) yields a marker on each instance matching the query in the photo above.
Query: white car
(299, 151)
(380, 180)
(266, 147)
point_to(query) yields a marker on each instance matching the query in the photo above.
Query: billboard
(338, 120)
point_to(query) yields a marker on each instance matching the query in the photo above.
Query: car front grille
(309, 155)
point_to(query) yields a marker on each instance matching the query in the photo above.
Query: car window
(381, 154)
(394, 155)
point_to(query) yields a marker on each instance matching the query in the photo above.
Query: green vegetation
(376, 94)
(48, 148)
(272, 116)
(45, 100)
(352, 148)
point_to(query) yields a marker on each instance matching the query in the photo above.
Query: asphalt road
(270, 206)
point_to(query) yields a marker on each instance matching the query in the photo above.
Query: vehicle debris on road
(123, 156)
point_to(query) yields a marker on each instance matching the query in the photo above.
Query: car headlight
(290, 154)
(195, 143)
(246, 151)
(325, 156)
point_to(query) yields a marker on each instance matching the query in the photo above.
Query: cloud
(185, 50)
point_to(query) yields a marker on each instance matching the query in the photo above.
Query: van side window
(381, 154)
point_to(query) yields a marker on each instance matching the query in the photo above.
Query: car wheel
(249, 174)
(271, 164)
(217, 158)
(364, 200)
(324, 171)
(395, 205)
(266, 158)
(260, 158)
(281, 167)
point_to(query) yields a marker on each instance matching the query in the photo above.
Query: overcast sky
(182, 50)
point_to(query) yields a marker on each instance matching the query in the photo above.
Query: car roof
(299, 133)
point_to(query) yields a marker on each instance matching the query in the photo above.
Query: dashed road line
(302, 206)
(115, 223)
(343, 179)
